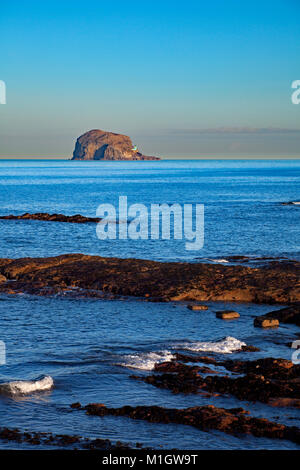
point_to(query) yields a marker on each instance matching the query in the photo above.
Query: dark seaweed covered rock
(44, 216)
(113, 277)
(230, 421)
(289, 314)
(260, 380)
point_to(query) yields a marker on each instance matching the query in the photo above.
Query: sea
(92, 347)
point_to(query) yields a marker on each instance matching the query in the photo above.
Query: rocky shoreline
(95, 276)
(262, 380)
(274, 382)
(271, 381)
(230, 421)
(37, 438)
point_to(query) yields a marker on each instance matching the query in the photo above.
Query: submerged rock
(61, 440)
(102, 145)
(285, 402)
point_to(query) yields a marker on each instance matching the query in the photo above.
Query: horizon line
(213, 157)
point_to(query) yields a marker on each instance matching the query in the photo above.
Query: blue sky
(181, 78)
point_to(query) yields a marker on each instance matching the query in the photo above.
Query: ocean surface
(91, 347)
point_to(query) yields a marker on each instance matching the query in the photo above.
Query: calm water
(242, 199)
(91, 347)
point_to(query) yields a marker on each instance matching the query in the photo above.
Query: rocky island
(102, 145)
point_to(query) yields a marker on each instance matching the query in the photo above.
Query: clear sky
(188, 78)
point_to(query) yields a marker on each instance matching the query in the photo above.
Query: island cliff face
(102, 145)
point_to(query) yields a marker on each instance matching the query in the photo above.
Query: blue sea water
(243, 214)
(91, 347)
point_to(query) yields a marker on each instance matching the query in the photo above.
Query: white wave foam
(226, 345)
(25, 387)
(221, 260)
(146, 361)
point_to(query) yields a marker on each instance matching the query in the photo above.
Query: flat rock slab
(277, 282)
(227, 314)
(197, 307)
(266, 322)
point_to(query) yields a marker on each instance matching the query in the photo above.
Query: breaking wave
(226, 345)
(146, 361)
(218, 260)
(25, 387)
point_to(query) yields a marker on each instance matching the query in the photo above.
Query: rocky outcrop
(103, 145)
(284, 315)
(44, 216)
(85, 275)
(262, 380)
(205, 418)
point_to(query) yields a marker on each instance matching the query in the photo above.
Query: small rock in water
(76, 405)
(250, 348)
(227, 314)
(266, 322)
(285, 402)
(197, 307)
(291, 203)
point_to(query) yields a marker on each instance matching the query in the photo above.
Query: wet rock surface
(285, 402)
(57, 440)
(94, 276)
(266, 322)
(44, 216)
(260, 380)
(205, 418)
(197, 307)
(227, 315)
(289, 314)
